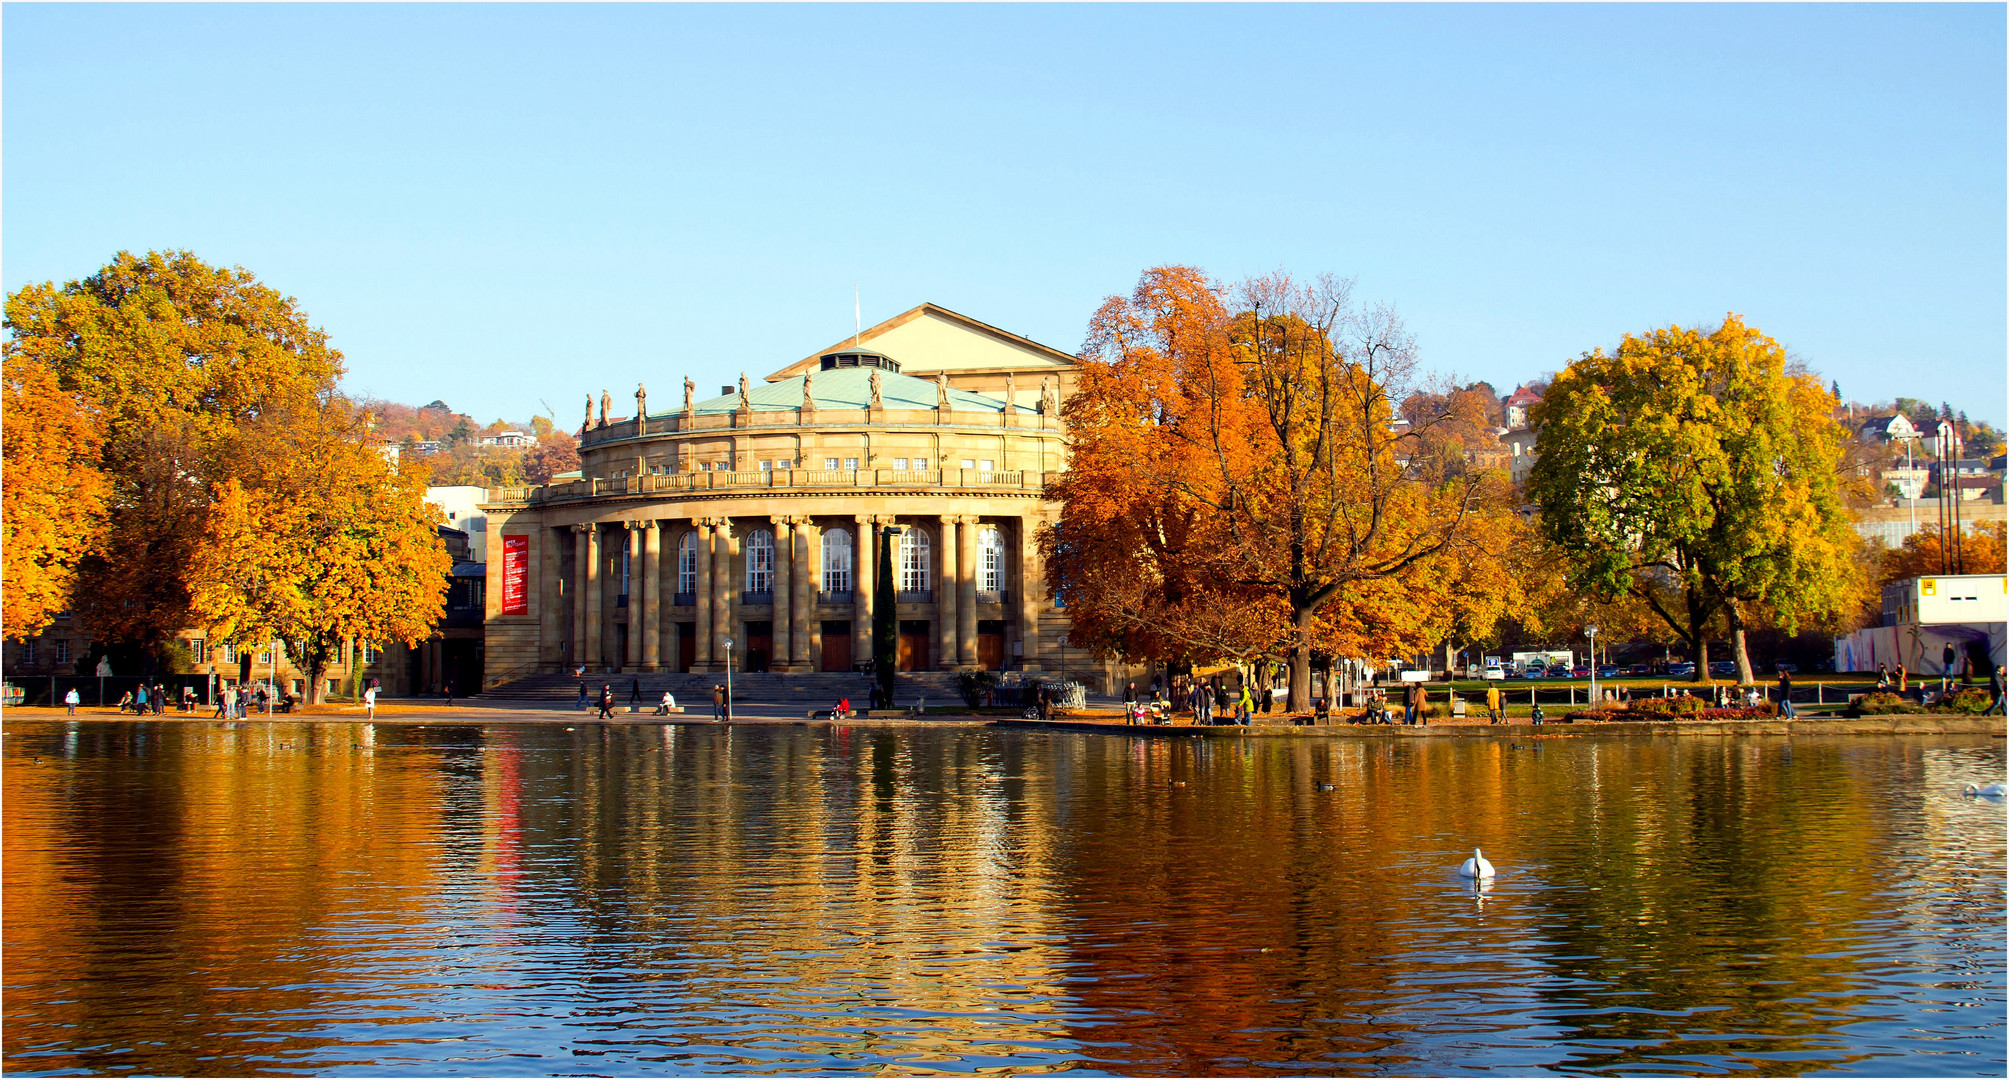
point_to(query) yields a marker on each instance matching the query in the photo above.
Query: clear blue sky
(497, 205)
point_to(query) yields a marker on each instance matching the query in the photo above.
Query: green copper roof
(851, 388)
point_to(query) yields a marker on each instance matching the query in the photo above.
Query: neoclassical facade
(752, 517)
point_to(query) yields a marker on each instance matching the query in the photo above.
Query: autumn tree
(174, 360)
(1697, 472)
(1241, 452)
(323, 544)
(54, 493)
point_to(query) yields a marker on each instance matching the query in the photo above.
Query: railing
(758, 479)
(918, 596)
(756, 598)
(684, 599)
(994, 596)
(844, 598)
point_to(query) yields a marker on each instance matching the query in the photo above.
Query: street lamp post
(1591, 632)
(728, 680)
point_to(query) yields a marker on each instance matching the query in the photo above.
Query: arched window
(837, 560)
(687, 563)
(990, 559)
(760, 561)
(913, 552)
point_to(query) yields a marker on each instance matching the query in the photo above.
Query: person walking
(1412, 703)
(1946, 658)
(635, 696)
(1246, 707)
(606, 701)
(71, 700)
(584, 698)
(222, 705)
(139, 700)
(1786, 694)
(449, 693)
(1994, 692)
(718, 702)
(1883, 677)
(1493, 704)
(370, 702)
(1903, 679)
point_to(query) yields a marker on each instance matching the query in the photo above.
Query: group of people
(142, 700)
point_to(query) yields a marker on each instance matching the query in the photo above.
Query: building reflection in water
(203, 898)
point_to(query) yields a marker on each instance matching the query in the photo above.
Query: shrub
(1666, 706)
(1973, 700)
(973, 683)
(1881, 703)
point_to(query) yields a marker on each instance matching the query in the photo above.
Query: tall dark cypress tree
(885, 620)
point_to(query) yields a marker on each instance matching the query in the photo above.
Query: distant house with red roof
(1518, 403)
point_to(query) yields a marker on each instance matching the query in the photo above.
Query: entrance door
(620, 656)
(687, 645)
(837, 645)
(914, 637)
(990, 644)
(759, 645)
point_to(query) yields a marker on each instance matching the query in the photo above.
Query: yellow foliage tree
(54, 495)
(324, 544)
(175, 360)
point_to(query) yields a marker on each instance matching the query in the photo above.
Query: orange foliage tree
(324, 544)
(54, 496)
(1236, 483)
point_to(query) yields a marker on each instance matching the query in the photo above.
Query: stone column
(636, 612)
(1029, 586)
(594, 606)
(725, 574)
(582, 559)
(805, 597)
(863, 566)
(703, 660)
(948, 626)
(784, 580)
(966, 599)
(652, 597)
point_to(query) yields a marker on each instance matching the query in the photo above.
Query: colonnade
(793, 598)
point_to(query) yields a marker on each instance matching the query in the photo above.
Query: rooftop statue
(690, 396)
(876, 403)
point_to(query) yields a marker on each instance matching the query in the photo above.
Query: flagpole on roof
(857, 318)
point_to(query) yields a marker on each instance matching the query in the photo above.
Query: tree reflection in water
(205, 898)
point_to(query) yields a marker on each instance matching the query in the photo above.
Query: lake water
(190, 898)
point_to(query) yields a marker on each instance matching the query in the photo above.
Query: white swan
(1476, 866)
(1992, 791)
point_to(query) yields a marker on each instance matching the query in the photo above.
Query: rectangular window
(851, 463)
(62, 652)
(369, 653)
(831, 464)
(27, 652)
(969, 464)
(265, 657)
(195, 650)
(900, 463)
(229, 654)
(986, 466)
(767, 466)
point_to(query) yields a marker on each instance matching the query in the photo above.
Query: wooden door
(914, 638)
(836, 646)
(687, 645)
(759, 645)
(990, 650)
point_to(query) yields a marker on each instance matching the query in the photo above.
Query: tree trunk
(1300, 690)
(1698, 637)
(1744, 676)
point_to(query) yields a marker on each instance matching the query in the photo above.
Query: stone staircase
(693, 689)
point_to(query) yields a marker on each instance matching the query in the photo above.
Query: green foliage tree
(1698, 473)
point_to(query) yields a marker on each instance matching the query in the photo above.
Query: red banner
(515, 575)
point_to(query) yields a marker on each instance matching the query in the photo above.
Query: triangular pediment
(929, 338)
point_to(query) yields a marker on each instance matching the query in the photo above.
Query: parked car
(1642, 669)
(1513, 675)
(1579, 673)
(1610, 671)
(1720, 667)
(1493, 671)
(1683, 667)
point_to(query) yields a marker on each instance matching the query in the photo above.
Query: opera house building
(751, 516)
